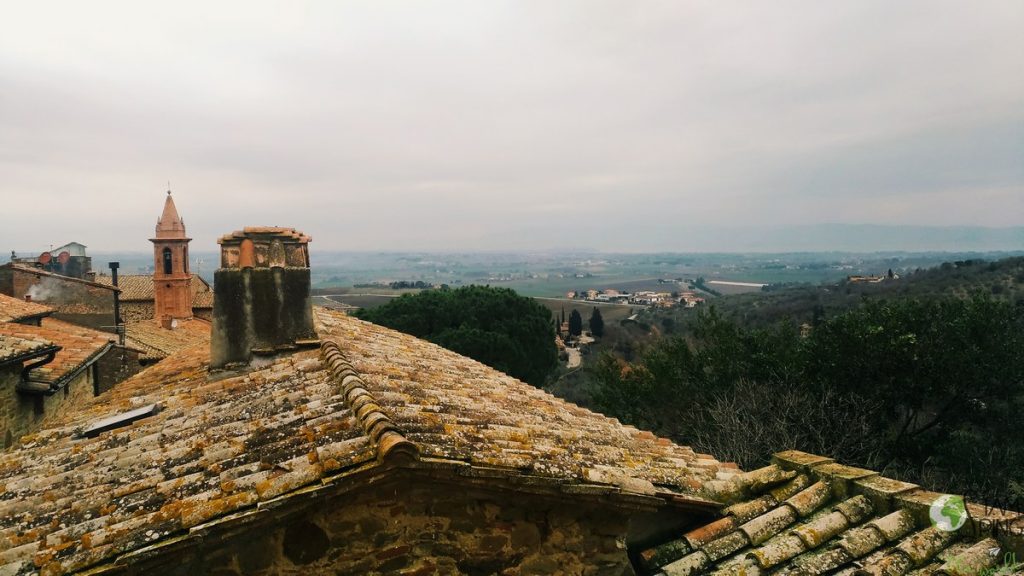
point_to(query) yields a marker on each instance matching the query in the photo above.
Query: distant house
(67, 260)
(865, 279)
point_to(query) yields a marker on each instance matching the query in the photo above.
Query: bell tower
(172, 291)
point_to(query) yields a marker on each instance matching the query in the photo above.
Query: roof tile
(79, 346)
(16, 309)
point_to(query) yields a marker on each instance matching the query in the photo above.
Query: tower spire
(170, 225)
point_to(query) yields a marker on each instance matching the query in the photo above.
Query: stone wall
(135, 311)
(10, 408)
(116, 365)
(419, 528)
(76, 301)
(22, 414)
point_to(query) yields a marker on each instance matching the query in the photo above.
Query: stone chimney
(261, 301)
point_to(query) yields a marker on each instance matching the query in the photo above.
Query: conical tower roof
(170, 225)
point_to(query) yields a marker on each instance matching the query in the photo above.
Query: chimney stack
(261, 301)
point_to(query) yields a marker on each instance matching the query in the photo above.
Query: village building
(50, 367)
(316, 443)
(75, 300)
(67, 260)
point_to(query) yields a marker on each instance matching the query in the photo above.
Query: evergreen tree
(596, 323)
(493, 325)
(575, 323)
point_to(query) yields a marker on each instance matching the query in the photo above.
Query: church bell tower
(172, 291)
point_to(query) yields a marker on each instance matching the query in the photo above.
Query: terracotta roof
(229, 445)
(156, 342)
(458, 409)
(15, 349)
(807, 515)
(79, 346)
(139, 288)
(134, 287)
(15, 309)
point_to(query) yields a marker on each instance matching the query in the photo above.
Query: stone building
(68, 366)
(379, 453)
(74, 300)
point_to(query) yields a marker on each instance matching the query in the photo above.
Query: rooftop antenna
(168, 187)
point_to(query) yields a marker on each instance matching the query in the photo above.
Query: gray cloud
(452, 125)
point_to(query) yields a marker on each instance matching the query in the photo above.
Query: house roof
(79, 347)
(15, 349)
(139, 288)
(16, 309)
(227, 448)
(156, 342)
(806, 514)
(371, 398)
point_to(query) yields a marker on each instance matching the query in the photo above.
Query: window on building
(167, 260)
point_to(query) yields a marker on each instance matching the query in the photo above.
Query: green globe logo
(948, 513)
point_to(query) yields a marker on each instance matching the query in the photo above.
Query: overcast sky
(506, 125)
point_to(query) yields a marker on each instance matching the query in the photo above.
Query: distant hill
(1002, 279)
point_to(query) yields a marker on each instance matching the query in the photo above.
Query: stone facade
(136, 311)
(22, 414)
(118, 364)
(412, 525)
(77, 301)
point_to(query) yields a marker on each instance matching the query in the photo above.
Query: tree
(927, 391)
(596, 323)
(575, 323)
(495, 326)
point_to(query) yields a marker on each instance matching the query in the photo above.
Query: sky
(525, 125)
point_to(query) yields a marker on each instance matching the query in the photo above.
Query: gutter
(45, 388)
(50, 349)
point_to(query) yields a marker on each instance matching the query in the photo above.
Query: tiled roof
(807, 515)
(79, 346)
(457, 409)
(139, 288)
(134, 287)
(15, 349)
(229, 444)
(156, 342)
(15, 309)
